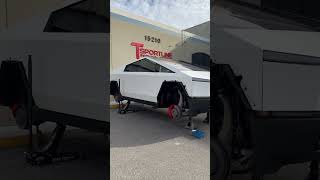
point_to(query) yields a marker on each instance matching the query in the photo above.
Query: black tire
(221, 161)
(172, 96)
(222, 137)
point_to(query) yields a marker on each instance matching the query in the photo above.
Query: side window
(131, 68)
(164, 70)
(143, 65)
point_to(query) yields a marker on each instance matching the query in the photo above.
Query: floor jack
(49, 153)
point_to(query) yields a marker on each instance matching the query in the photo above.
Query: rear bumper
(199, 104)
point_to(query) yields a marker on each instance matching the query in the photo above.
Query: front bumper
(198, 105)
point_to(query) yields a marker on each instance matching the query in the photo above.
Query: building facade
(133, 37)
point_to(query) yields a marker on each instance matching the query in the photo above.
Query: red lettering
(141, 52)
(138, 46)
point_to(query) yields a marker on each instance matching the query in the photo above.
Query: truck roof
(178, 65)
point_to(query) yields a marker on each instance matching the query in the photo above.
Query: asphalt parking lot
(92, 145)
(147, 145)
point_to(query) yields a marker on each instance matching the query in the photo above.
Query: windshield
(184, 66)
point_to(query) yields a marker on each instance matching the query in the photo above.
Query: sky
(181, 14)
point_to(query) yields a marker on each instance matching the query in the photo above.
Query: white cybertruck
(67, 81)
(57, 76)
(175, 85)
(266, 100)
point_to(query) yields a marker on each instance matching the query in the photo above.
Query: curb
(114, 106)
(16, 141)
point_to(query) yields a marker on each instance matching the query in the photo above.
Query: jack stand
(190, 124)
(123, 108)
(314, 171)
(121, 111)
(49, 154)
(206, 121)
(194, 130)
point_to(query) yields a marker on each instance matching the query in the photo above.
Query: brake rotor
(20, 114)
(175, 112)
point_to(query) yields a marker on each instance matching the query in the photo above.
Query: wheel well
(114, 88)
(168, 94)
(227, 83)
(14, 83)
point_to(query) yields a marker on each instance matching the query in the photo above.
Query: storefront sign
(143, 52)
(152, 39)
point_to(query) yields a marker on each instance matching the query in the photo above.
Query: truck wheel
(222, 136)
(175, 110)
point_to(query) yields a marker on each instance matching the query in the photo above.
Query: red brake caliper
(14, 108)
(170, 108)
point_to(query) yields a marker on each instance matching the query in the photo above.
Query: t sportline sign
(143, 52)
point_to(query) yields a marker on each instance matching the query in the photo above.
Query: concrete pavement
(147, 145)
(94, 166)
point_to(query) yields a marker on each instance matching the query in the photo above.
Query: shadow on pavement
(147, 126)
(93, 166)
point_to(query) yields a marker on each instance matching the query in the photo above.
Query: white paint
(69, 70)
(146, 85)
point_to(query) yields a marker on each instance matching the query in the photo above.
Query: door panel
(143, 85)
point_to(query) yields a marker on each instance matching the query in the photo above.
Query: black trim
(289, 114)
(200, 80)
(199, 104)
(290, 58)
(310, 22)
(71, 120)
(114, 88)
